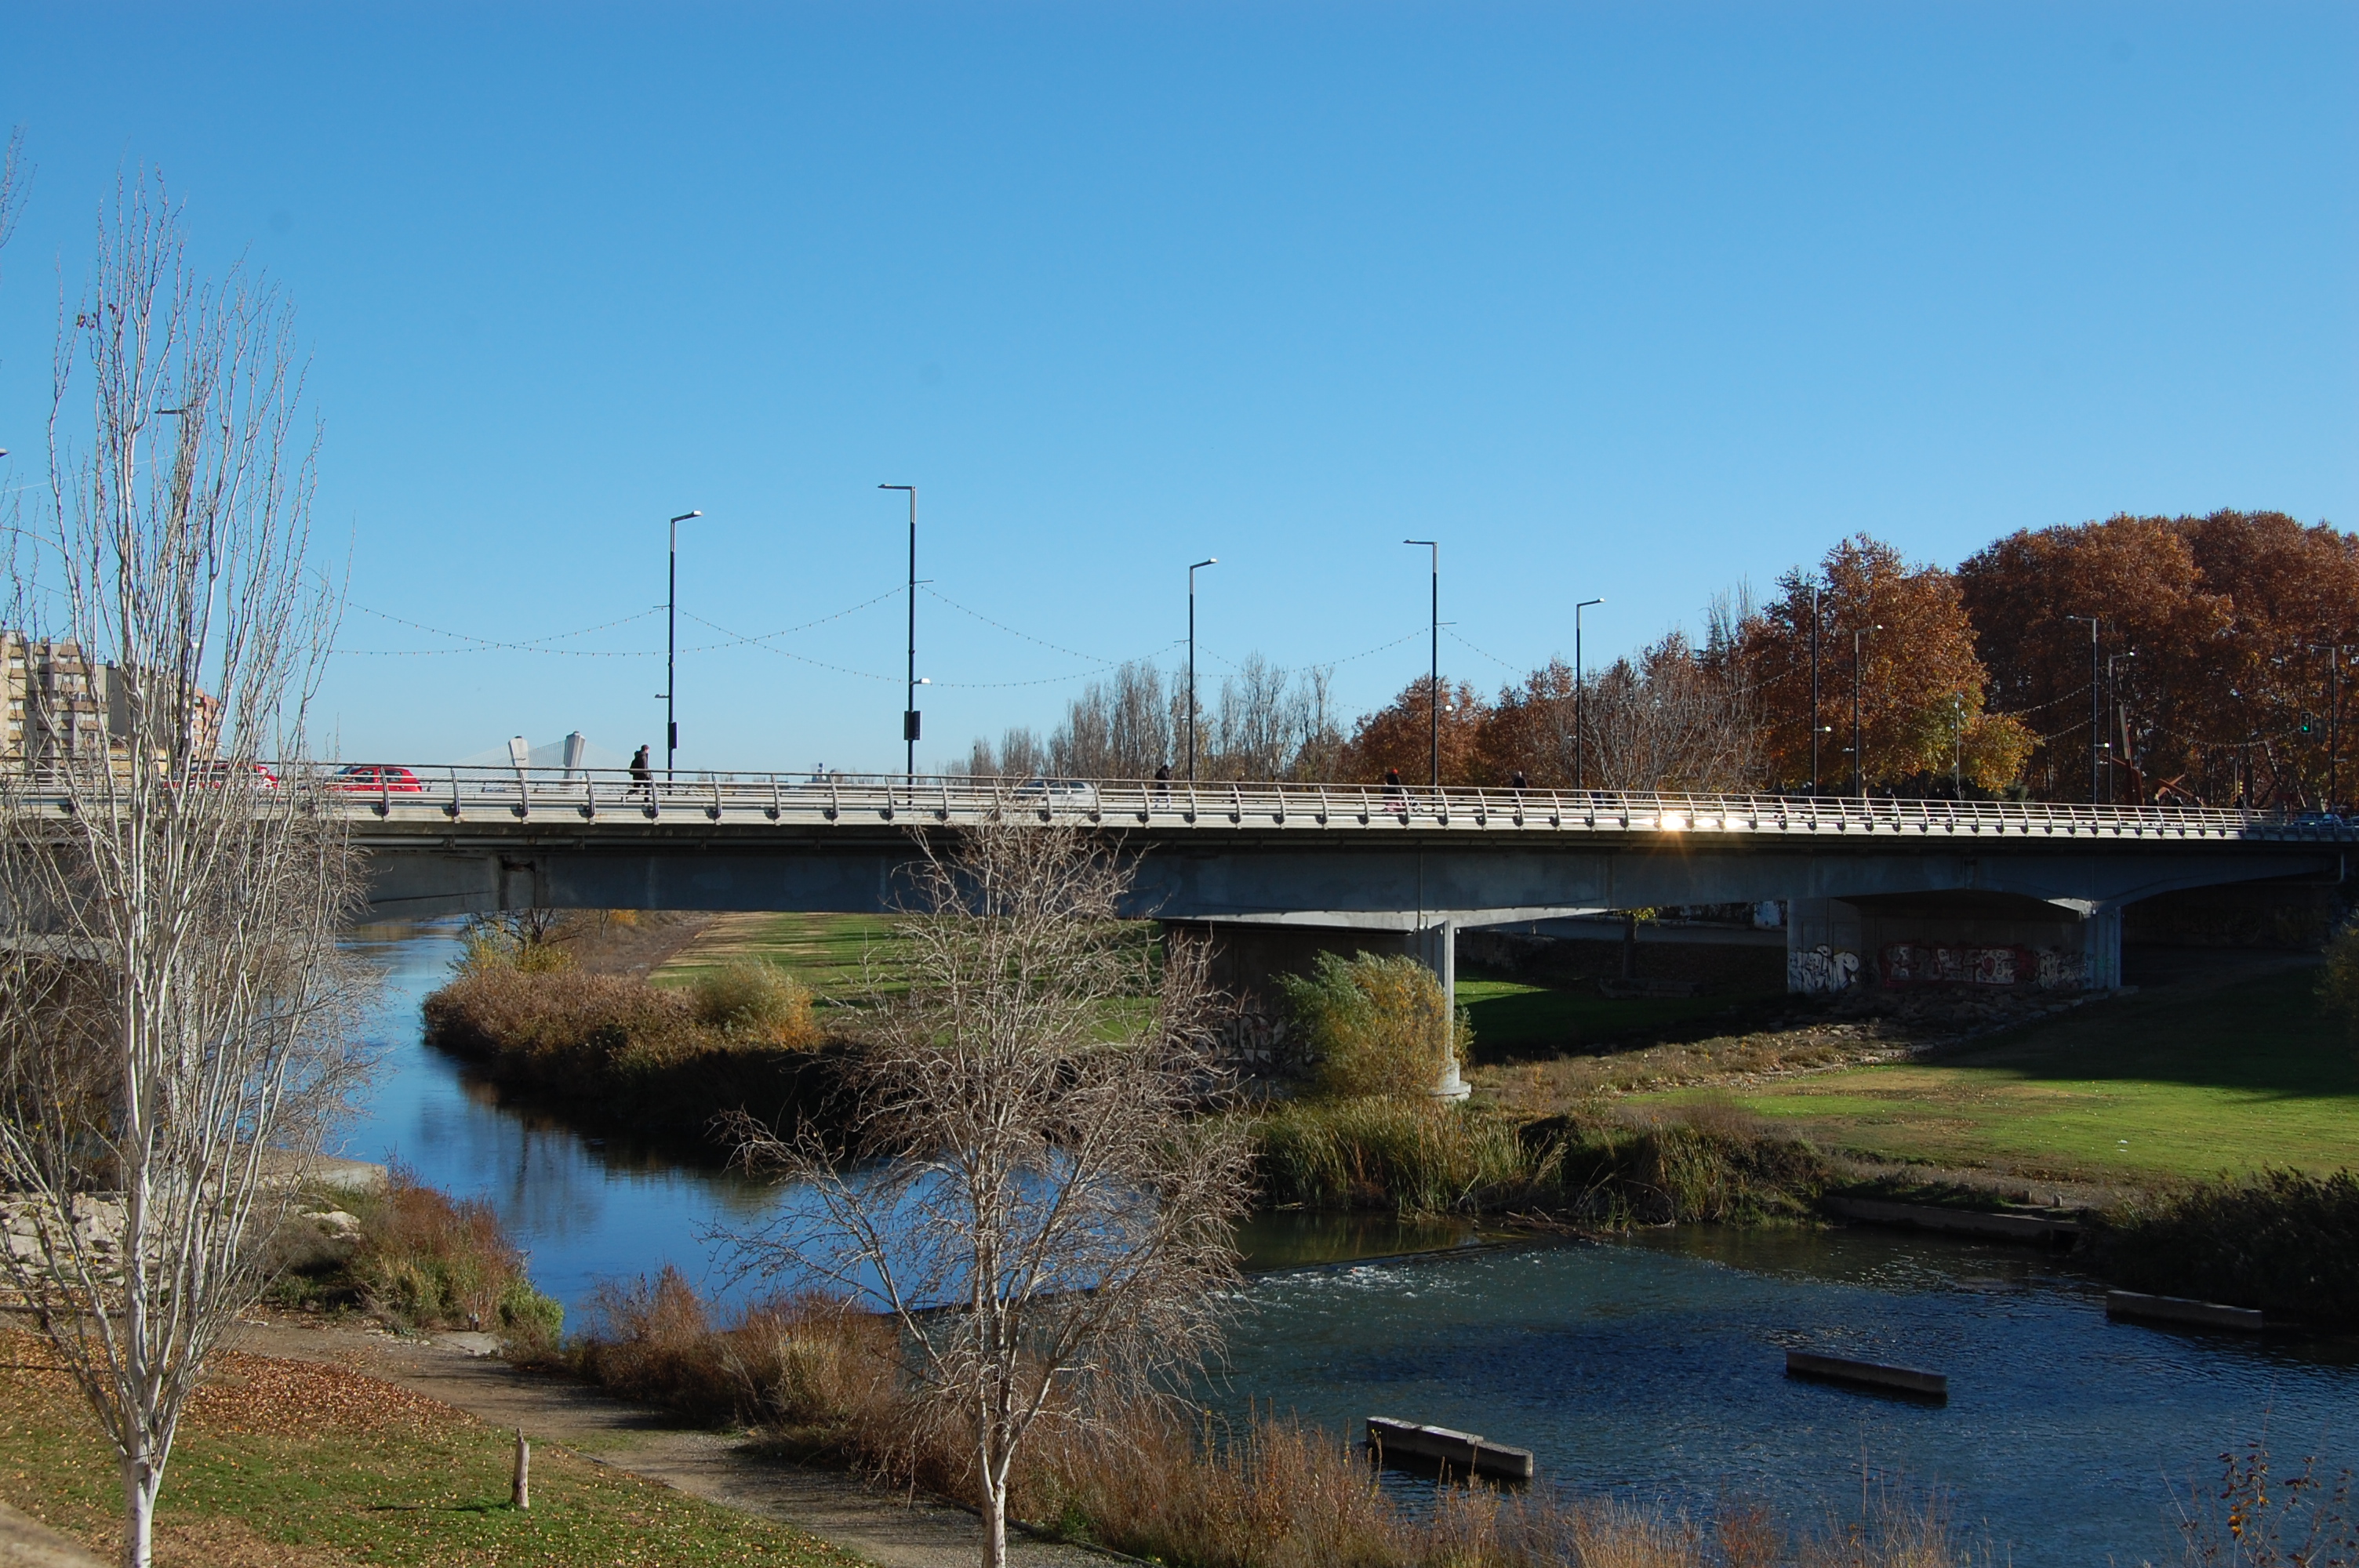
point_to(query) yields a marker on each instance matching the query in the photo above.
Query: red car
(374, 778)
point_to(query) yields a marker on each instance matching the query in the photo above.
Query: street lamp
(1579, 696)
(1433, 686)
(1858, 759)
(2334, 652)
(1814, 689)
(1207, 561)
(671, 643)
(2096, 708)
(909, 700)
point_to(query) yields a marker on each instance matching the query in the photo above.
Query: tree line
(2205, 656)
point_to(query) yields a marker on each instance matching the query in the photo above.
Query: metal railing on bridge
(594, 796)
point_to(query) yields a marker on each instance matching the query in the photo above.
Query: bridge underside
(1888, 910)
(1400, 887)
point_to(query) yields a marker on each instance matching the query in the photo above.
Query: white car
(1059, 794)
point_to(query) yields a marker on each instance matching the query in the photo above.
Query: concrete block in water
(1461, 1451)
(2035, 1228)
(1869, 1374)
(2178, 1309)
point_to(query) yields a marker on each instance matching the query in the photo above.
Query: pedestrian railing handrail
(583, 796)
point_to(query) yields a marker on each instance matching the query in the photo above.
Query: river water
(1651, 1368)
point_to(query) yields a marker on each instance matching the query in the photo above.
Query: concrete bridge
(1888, 892)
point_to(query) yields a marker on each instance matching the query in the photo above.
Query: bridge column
(1436, 947)
(1822, 946)
(2101, 940)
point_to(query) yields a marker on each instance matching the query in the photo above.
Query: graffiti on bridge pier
(2010, 964)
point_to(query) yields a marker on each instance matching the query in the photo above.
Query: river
(1651, 1368)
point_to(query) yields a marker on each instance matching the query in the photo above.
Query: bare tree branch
(169, 980)
(1038, 1191)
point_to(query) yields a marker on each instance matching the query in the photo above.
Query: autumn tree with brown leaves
(2214, 635)
(1921, 689)
(1400, 735)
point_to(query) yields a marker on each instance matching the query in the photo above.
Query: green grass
(2161, 1086)
(431, 1493)
(826, 952)
(1513, 1020)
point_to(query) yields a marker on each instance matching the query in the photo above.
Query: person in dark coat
(643, 772)
(1163, 780)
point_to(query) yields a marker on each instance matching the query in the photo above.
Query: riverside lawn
(2178, 1082)
(293, 1464)
(2141, 1090)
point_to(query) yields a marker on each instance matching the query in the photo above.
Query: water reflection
(1295, 1238)
(583, 1208)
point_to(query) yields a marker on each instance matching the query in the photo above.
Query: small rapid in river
(1651, 1369)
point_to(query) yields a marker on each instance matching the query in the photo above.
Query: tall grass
(2282, 1242)
(819, 1379)
(1598, 1170)
(427, 1261)
(666, 1062)
(1374, 1025)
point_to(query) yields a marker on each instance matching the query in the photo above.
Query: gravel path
(889, 1530)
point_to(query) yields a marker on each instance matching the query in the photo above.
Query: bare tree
(169, 908)
(1035, 1190)
(1118, 729)
(1670, 720)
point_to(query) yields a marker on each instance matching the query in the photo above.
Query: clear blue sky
(1633, 301)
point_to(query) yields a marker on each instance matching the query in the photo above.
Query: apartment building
(62, 708)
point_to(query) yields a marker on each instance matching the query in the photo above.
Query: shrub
(562, 1022)
(1374, 1025)
(807, 1368)
(748, 999)
(2282, 1242)
(2338, 982)
(425, 1261)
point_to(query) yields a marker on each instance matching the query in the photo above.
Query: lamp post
(2096, 709)
(1207, 561)
(2118, 721)
(1580, 698)
(909, 699)
(671, 643)
(1814, 689)
(2334, 652)
(1433, 681)
(1858, 758)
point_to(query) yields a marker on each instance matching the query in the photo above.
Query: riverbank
(2238, 1073)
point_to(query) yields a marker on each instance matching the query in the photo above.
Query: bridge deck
(583, 799)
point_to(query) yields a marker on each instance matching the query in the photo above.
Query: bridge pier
(1963, 939)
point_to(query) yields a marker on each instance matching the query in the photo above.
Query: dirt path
(640, 948)
(27, 1543)
(889, 1530)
